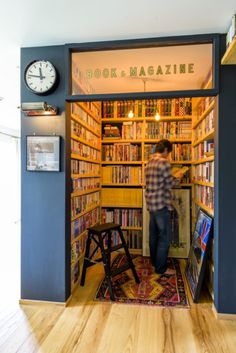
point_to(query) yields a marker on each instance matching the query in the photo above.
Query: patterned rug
(161, 290)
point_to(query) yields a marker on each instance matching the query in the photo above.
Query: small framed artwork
(43, 153)
(196, 262)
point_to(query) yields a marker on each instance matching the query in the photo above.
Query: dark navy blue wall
(225, 192)
(44, 269)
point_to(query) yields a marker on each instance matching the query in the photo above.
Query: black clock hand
(40, 73)
(41, 77)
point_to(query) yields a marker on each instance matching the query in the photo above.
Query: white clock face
(40, 76)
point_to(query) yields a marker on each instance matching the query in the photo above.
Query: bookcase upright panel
(85, 178)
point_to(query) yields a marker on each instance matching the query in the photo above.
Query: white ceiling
(48, 22)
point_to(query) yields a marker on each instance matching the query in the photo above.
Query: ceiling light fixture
(157, 116)
(131, 114)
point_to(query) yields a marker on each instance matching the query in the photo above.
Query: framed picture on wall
(43, 153)
(196, 262)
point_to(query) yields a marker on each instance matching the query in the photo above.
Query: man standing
(159, 182)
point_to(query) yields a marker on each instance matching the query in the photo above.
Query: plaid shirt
(159, 182)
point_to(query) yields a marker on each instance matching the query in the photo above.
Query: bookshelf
(229, 57)
(203, 166)
(85, 124)
(127, 145)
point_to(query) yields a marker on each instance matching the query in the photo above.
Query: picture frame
(43, 153)
(196, 263)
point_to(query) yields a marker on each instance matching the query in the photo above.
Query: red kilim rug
(161, 290)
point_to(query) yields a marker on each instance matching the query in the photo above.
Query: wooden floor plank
(86, 326)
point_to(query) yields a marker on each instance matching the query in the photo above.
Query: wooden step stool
(98, 234)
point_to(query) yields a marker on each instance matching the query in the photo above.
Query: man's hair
(162, 145)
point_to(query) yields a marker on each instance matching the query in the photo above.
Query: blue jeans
(159, 238)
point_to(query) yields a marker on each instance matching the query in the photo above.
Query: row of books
(125, 217)
(94, 108)
(203, 105)
(82, 203)
(121, 152)
(121, 109)
(134, 238)
(83, 133)
(148, 108)
(85, 117)
(204, 194)
(168, 107)
(168, 130)
(180, 152)
(85, 151)
(75, 273)
(199, 152)
(83, 184)
(121, 174)
(206, 126)
(78, 248)
(79, 225)
(204, 172)
(128, 130)
(82, 167)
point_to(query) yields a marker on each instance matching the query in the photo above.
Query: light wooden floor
(86, 326)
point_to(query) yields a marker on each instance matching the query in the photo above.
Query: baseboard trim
(221, 316)
(43, 302)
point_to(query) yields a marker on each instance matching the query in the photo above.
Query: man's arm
(168, 178)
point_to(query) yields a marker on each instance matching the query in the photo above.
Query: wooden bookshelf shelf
(86, 126)
(186, 184)
(120, 120)
(89, 146)
(202, 117)
(119, 141)
(131, 228)
(80, 158)
(180, 162)
(208, 136)
(204, 160)
(229, 57)
(122, 184)
(77, 260)
(170, 139)
(87, 143)
(77, 176)
(122, 162)
(85, 192)
(203, 183)
(79, 236)
(84, 212)
(170, 118)
(119, 205)
(209, 210)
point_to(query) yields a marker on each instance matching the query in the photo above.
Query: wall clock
(41, 76)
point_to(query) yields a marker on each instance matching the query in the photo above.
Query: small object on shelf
(210, 153)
